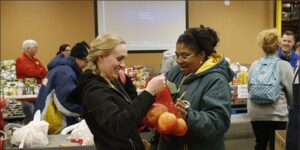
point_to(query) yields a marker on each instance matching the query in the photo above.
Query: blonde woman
(112, 116)
(266, 118)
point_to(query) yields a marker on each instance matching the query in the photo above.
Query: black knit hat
(79, 50)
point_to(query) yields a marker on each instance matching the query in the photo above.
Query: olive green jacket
(208, 118)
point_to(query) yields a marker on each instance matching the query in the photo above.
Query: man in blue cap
(60, 81)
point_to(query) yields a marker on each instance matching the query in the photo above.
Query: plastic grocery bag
(34, 134)
(80, 133)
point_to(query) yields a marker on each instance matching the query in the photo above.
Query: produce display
(11, 86)
(13, 109)
(7, 81)
(239, 84)
(139, 75)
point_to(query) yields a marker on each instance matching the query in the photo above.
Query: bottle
(20, 87)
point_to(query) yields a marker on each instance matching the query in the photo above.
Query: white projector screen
(144, 25)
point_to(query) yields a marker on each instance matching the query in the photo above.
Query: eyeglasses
(184, 57)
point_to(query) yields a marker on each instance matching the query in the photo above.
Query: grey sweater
(277, 111)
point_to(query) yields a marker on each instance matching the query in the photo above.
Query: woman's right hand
(156, 84)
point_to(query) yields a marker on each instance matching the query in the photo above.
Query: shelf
(238, 110)
(291, 21)
(238, 105)
(14, 117)
(290, 17)
(21, 96)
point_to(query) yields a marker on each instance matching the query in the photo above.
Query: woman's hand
(181, 108)
(156, 84)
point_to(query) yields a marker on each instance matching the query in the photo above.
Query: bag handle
(2, 136)
(297, 74)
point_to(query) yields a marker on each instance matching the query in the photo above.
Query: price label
(242, 91)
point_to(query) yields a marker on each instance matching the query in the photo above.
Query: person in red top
(3, 103)
(27, 66)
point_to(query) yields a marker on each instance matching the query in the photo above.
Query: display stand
(56, 142)
(22, 97)
(291, 17)
(239, 98)
(14, 112)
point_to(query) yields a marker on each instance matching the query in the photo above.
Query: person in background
(266, 118)
(286, 52)
(202, 78)
(297, 50)
(60, 81)
(293, 129)
(169, 61)
(64, 50)
(112, 116)
(85, 44)
(3, 104)
(28, 66)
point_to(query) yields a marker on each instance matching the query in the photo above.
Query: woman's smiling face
(188, 60)
(110, 65)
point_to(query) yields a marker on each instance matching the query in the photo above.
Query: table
(27, 98)
(22, 96)
(56, 142)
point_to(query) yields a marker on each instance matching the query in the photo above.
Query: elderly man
(28, 66)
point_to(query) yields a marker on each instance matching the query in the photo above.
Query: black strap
(297, 74)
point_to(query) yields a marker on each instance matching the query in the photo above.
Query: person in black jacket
(112, 116)
(293, 128)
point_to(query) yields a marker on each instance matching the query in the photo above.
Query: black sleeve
(106, 114)
(130, 88)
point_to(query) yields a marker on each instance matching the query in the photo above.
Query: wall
(50, 23)
(150, 59)
(237, 25)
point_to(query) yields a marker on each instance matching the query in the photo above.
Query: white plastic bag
(169, 60)
(80, 133)
(34, 134)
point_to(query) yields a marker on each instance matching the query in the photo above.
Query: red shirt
(30, 68)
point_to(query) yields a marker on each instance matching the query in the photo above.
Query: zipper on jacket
(132, 145)
(185, 147)
(179, 88)
(125, 95)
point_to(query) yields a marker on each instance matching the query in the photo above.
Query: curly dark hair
(200, 39)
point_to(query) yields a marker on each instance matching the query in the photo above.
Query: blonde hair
(102, 45)
(269, 40)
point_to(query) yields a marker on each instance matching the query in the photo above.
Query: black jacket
(111, 115)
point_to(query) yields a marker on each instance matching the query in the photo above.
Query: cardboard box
(280, 143)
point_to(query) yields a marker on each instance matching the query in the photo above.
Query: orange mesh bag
(163, 116)
(163, 103)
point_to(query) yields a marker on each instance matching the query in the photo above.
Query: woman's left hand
(180, 105)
